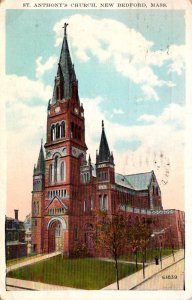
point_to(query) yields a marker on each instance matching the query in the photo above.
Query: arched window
(37, 208)
(52, 132)
(92, 204)
(105, 202)
(157, 191)
(62, 129)
(34, 208)
(101, 201)
(50, 173)
(62, 171)
(57, 131)
(55, 168)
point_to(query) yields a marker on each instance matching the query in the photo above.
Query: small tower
(39, 171)
(105, 174)
(38, 202)
(104, 160)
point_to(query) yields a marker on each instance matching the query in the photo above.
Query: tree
(110, 237)
(138, 236)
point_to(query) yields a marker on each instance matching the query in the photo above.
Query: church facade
(68, 188)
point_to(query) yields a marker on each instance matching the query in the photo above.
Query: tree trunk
(117, 273)
(143, 255)
(136, 260)
(173, 253)
(160, 257)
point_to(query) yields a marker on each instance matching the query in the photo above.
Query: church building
(68, 188)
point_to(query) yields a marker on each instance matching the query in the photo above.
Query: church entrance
(55, 236)
(58, 238)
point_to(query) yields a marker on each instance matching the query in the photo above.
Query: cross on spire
(65, 28)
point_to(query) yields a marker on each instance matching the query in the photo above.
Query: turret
(39, 171)
(104, 160)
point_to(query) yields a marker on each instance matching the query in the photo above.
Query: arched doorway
(56, 228)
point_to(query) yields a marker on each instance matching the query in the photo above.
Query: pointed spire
(65, 72)
(40, 169)
(89, 160)
(104, 152)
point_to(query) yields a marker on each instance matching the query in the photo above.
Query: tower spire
(104, 152)
(40, 169)
(66, 76)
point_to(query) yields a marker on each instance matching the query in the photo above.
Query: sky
(131, 72)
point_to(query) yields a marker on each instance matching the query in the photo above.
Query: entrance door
(55, 240)
(58, 238)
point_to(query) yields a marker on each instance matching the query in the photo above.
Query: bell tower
(65, 145)
(105, 172)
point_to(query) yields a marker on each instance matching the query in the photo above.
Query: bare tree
(110, 237)
(138, 236)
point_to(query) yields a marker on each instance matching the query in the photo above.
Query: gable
(56, 202)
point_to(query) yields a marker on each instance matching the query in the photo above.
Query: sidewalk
(136, 279)
(31, 261)
(13, 284)
(171, 278)
(121, 261)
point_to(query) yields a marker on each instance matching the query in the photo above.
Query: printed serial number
(169, 277)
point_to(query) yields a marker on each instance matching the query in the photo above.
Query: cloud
(42, 68)
(23, 89)
(147, 118)
(149, 92)
(118, 111)
(26, 107)
(128, 51)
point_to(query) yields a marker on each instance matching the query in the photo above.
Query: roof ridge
(140, 173)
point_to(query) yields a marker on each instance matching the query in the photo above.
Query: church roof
(122, 180)
(65, 71)
(140, 181)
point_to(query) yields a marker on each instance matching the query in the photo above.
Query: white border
(101, 295)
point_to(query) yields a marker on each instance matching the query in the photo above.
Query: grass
(150, 255)
(77, 273)
(15, 261)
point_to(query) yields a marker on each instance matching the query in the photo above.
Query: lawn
(84, 273)
(150, 255)
(14, 261)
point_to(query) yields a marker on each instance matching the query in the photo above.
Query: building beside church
(68, 187)
(15, 245)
